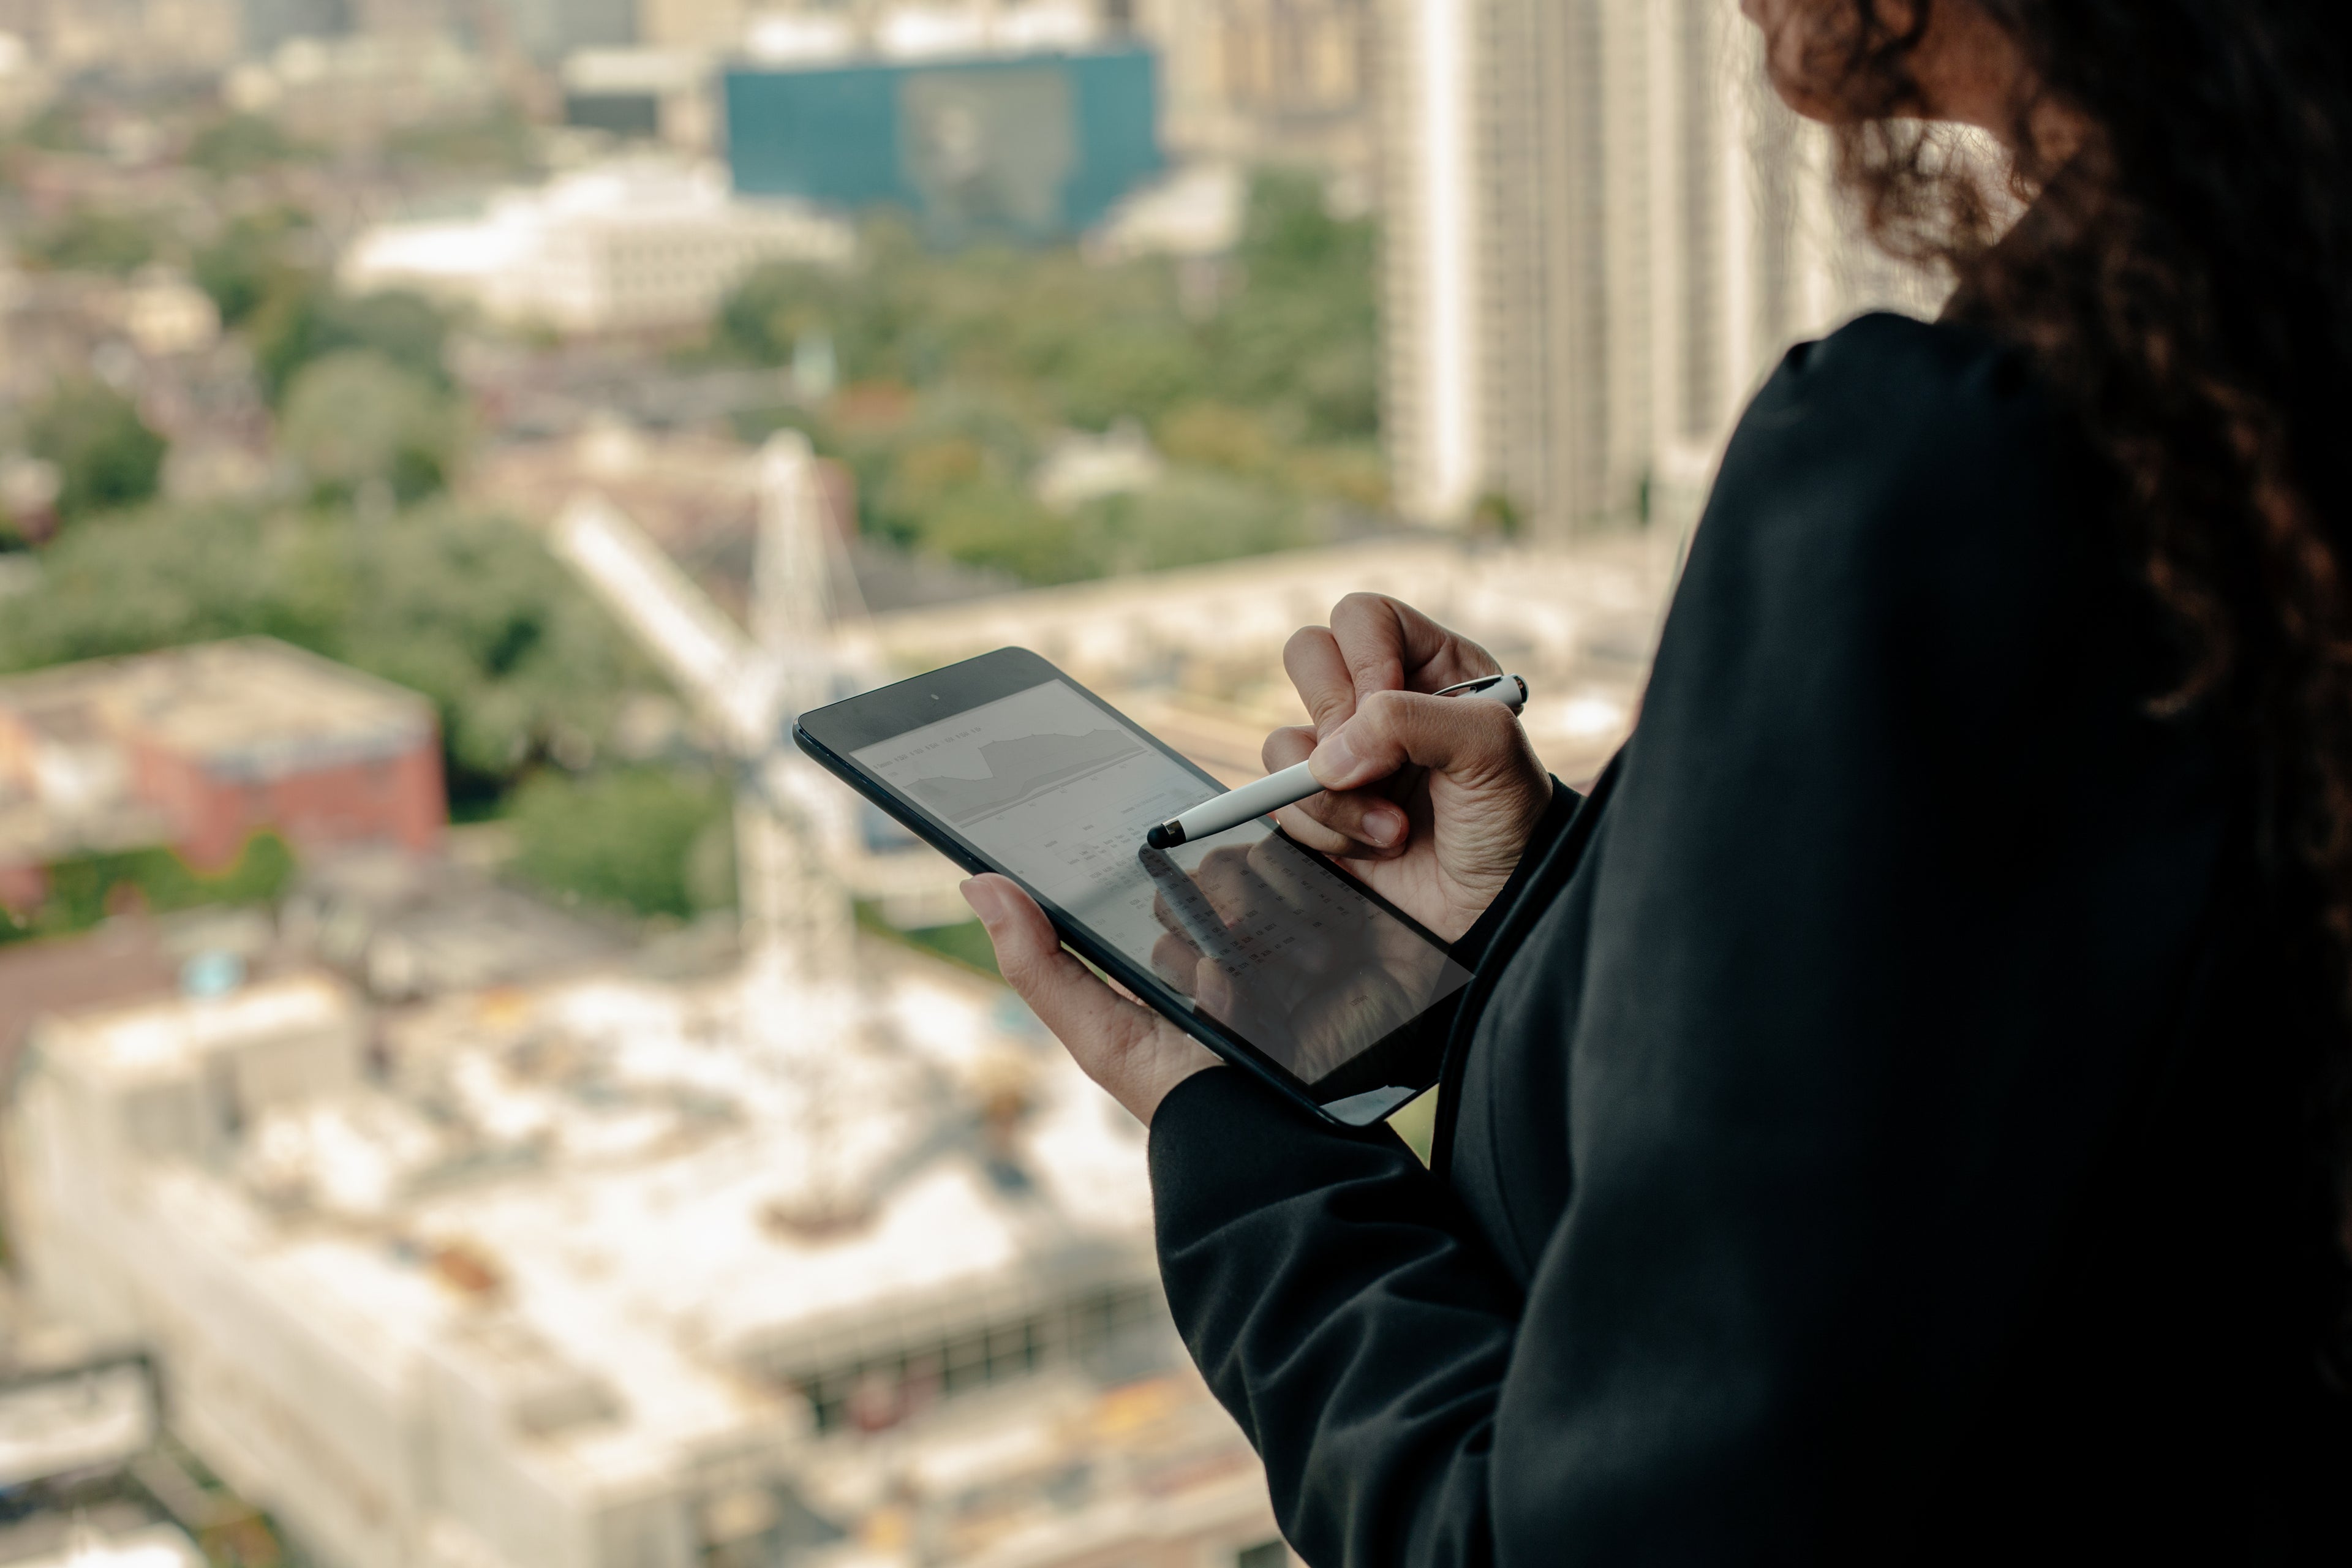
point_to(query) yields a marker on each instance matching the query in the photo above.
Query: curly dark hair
(2188, 294)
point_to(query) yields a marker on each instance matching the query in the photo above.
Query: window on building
(881, 1389)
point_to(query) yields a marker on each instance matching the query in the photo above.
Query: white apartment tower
(1602, 231)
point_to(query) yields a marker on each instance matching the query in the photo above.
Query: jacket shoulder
(1903, 447)
(1901, 504)
(1897, 387)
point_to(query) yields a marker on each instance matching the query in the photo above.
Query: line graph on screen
(1021, 768)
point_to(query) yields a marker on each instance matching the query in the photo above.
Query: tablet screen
(1257, 933)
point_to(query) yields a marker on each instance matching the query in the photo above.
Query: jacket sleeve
(1851, 986)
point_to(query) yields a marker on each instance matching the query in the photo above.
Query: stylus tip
(1167, 835)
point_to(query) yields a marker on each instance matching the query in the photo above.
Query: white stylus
(1295, 784)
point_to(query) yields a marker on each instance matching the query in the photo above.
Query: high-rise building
(1266, 80)
(270, 22)
(692, 24)
(996, 141)
(1603, 230)
(149, 38)
(549, 29)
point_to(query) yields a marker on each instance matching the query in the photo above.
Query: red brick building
(199, 748)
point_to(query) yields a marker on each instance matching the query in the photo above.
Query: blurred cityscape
(474, 1097)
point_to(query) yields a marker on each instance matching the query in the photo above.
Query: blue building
(1025, 147)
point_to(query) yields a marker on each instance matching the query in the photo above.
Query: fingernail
(1385, 827)
(1335, 760)
(986, 899)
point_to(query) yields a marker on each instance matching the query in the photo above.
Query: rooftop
(641, 1232)
(158, 1038)
(250, 706)
(155, 1546)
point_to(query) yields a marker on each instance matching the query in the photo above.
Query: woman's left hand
(1133, 1052)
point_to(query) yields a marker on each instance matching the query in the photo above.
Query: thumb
(1465, 737)
(1068, 997)
(1023, 937)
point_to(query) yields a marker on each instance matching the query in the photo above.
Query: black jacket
(1881, 1126)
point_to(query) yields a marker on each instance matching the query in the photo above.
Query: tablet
(1265, 952)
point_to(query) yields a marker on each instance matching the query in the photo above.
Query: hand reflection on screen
(1311, 980)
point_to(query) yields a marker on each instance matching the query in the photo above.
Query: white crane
(790, 827)
(801, 1007)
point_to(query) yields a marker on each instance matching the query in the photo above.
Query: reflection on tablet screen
(1258, 934)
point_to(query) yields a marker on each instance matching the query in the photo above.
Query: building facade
(1603, 230)
(1024, 146)
(637, 244)
(199, 749)
(1286, 81)
(542, 1287)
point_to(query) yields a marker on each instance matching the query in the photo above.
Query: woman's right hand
(1429, 800)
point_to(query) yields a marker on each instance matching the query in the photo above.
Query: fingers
(1081, 1011)
(1289, 745)
(1375, 643)
(1389, 646)
(1316, 668)
(1361, 824)
(1356, 824)
(1469, 739)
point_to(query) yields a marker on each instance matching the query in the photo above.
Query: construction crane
(791, 831)
(801, 1007)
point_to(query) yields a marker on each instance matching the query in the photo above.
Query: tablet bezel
(1410, 1057)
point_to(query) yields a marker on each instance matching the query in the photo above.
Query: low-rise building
(353, 89)
(87, 1546)
(662, 95)
(640, 244)
(200, 748)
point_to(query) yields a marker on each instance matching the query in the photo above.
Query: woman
(1899, 1111)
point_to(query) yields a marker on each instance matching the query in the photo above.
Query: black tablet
(1265, 952)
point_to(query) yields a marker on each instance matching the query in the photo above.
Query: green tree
(626, 840)
(56, 129)
(240, 143)
(470, 611)
(474, 613)
(106, 456)
(1220, 436)
(958, 368)
(501, 142)
(137, 580)
(252, 261)
(1303, 332)
(355, 419)
(308, 321)
(1193, 517)
(762, 318)
(86, 888)
(93, 240)
(993, 523)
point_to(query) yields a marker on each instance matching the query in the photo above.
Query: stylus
(1295, 784)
